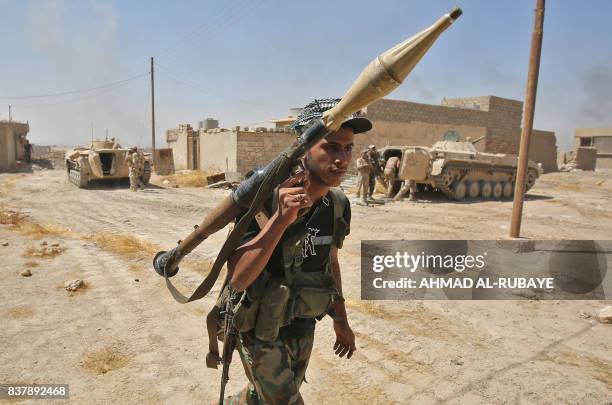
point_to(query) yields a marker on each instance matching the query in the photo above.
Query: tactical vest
(272, 302)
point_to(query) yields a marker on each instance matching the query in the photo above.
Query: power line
(100, 92)
(172, 75)
(65, 93)
(197, 31)
(146, 115)
(226, 17)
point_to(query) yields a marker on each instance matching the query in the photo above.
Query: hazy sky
(248, 61)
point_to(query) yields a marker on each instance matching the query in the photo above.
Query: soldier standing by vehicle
(391, 169)
(409, 186)
(135, 161)
(376, 173)
(289, 271)
(363, 178)
(27, 151)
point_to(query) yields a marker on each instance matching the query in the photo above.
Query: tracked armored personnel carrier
(460, 171)
(103, 160)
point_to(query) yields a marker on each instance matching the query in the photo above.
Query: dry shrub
(194, 178)
(31, 263)
(135, 267)
(10, 217)
(19, 312)
(7, 185)
(43, 251)
(105, 360)
(125, 245)
(570, 186)
(38, 231)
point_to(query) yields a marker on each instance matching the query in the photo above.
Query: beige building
(225, 150)
(185, 144)
(12, 139)
(395, 122)
(599, 139)
(497, 119)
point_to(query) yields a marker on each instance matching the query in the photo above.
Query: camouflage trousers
(363, 185)
(135, 181)
(275, 369)
(390, 183)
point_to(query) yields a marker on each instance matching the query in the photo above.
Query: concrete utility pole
(152, 112)
(10, 116)
(530, 100)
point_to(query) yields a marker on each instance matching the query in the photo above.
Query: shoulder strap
(340, 202)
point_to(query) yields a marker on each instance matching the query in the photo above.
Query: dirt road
(123, 339)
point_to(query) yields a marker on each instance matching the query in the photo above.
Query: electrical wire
(172, 75)
(65, 93)
(71, 100)
(146, 115)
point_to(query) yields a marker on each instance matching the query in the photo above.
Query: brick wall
(543, 149)
(399, 122)
(255, 149)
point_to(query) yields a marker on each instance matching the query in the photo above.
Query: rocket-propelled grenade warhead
(387, 71)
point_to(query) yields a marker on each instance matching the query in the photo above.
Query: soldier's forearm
(338, 307)
(250, 259)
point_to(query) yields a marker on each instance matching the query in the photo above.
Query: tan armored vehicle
(460, 171)
(103, 160)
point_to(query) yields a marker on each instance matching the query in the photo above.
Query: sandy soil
(123, 339)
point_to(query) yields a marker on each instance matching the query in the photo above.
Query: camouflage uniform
(135, 163)
(391, 169)
(376, 172)
(364, 168)
(276, 369)
(409, 186)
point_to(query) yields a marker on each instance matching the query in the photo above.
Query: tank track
(74, 176)
(446, 181)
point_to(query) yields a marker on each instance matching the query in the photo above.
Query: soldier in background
(391, 170)
(27, 151)
(376, 172)
(135, 161)
(364, 168)
(408, 186)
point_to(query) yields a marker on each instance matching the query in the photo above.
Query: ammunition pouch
(272, 302)
(312, 302)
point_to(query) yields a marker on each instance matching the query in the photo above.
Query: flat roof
(595, 135)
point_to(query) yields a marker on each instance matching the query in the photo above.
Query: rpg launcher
(379, 78)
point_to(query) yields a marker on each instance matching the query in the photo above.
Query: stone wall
(543, 149)
(604, 162)
(601, 139)
(586, 158)
(399, 123)
(177, 140)
(255, 149)
(7, 148)
(13, 135)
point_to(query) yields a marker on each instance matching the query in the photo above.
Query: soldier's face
(329, 159)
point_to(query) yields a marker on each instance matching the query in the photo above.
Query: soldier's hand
(345, 339)
(292, 197)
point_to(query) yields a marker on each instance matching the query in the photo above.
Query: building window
(586, 141)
